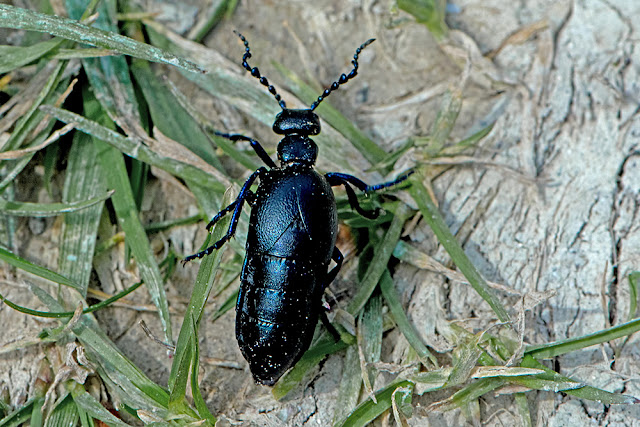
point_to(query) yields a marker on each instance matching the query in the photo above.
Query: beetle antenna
(343, 78)
(256, 73)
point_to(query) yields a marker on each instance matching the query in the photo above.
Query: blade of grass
(469, 394)
(634, 278)
(23, 19)
(349, 386)
(198, 400)
(130, 147)
(431, 13)
(92, 407)
(214, 14)
(369, 336)
(400, 317)
(61, 314)
(553, 349)
(12, 57)
(523, 409)
(368, 411)
(435, 220)
(380, 260)
(65, 413)
(49, 209)
(204, 282)
(20, 415)
(325, 345)
(170, 118)
(84, 178)
(555, 381)
(116, 175)
(34, 269)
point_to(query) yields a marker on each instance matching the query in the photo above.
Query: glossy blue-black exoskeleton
(291, 239)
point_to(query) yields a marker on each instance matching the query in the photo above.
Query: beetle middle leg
(257, 147)
(245, 193)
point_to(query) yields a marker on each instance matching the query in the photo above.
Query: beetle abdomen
(277, 312)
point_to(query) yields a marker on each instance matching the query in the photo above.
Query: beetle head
(301, 122)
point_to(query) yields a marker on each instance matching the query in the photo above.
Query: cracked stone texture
(565, 99)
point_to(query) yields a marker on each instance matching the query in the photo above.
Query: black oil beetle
(291, 239)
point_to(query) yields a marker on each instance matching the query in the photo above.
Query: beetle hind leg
(332, 330)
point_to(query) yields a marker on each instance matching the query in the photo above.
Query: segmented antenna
(256, 73)
(343, 78)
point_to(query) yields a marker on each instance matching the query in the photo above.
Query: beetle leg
(250, 199)
(331, 275)
(254, 144)
(221, 214)
(337, 178)
(245, 193)
(332, 330)
(353, 199)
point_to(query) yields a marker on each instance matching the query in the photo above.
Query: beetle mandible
(291, 238)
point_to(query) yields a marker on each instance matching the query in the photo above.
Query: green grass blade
(214, 14)
(84, 179)
(34, 269)
(523, 409)
(368, 411)
(553, 381)
(204, 282)
(12, 57)
(21, 415)
(325, 345)
(471, 392)
(49, 209)
(172, 120)
(380, 260)
(435, 220)
(400, 317)
(198, 400)
(65, 413)
(92, 407)
(547, 351)
(49, 80)
(61, 314)
(431, 13)
(136, 150)
(369, 336)
(23, 19)
(116, 176)
(634, 279)
(349, 386)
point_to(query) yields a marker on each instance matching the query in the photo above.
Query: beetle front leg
(250, 198)
(245, 193)
(257, 147)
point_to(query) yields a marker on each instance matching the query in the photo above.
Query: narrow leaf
(24, 19)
